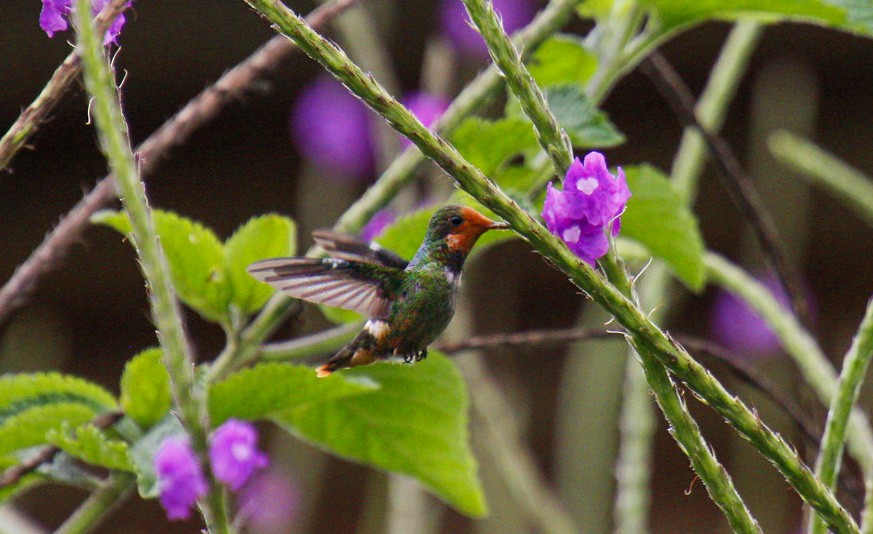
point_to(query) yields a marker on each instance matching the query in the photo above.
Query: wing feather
(346, 247)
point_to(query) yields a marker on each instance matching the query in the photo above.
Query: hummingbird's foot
(407, 358)
(420, 355)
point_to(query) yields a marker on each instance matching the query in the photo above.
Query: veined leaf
(267, 236)
(562, 59)
(31, 426)
(272, 387)
(18, 391)
(91, 445)
(656, 217)
(415, 424)
(145, 388)
(405, 235)
(489, 144)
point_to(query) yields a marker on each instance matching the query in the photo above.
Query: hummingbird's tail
(338, 361)
(360, 351)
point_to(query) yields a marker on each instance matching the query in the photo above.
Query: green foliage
(489, 144)
(416, 424)
(20, 391)
(268, 236)
(142, 454)
(89, 444)
(208, 276)
(29, 427)
(405, 235)
(269, 388)
(560, 60)
(145, 388)
(657, 218)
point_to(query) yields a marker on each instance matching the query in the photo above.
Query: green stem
(115, 144)
(816, 368)
(855, 364)
(683, 428)
(313, 345)
(821, 168)
(645, 335)
(99, 504)
(550, 136)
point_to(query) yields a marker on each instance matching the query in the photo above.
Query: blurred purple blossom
(455, 24)
(739, 328)
(269, 502)
(180, 478)
(55, 15)
(377, 223)
(332, 130)
(428, 108)
(590, 200)
(234, 454)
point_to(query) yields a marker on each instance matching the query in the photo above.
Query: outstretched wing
(362, 287)
(346, 247)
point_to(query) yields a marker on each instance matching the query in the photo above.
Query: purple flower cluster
(456, 26)
(591, 200)
(233, 455)
(56, 13)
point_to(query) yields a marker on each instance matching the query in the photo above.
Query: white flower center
(240, 451)
(571, 235)
(587, 185)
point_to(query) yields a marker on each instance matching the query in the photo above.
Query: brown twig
(734, 178)
(47, 453)
(152, 151)
(38, 111)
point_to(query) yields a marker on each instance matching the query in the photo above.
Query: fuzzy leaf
(142, 454)
(656, 217)
(587, 126)
(195, 256)
(415, 424)
(267, 236)
(31, 426)
(405, 235)
(90, 444)
(488, 144)
(145, 388)
(562, 59)
(272, 387)
(19, 391)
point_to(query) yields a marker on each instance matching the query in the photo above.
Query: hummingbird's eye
(456, 220)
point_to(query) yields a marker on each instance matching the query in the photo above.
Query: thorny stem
(115, 144)
(645, 335)
(855, 364)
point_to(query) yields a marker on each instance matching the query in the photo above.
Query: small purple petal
(592, 198)
(426, 107)
(52, 17)
(233, 453)
(269, 502)
(180, 478)
(456, 26)
(377, 223)
(332, 130)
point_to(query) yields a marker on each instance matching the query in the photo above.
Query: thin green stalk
(725, 77)
(552, 139)
(646, 335)
(88, 516)
(312, 345)
(821, 168)
(115, 144)
(683, 428)
(855, 364)
(799, 344)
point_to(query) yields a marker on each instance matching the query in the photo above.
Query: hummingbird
(407, 303)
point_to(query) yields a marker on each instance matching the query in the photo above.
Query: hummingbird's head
(458, 228)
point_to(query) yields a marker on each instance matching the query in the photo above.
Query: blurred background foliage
(91, 315)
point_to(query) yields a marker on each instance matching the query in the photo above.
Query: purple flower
(269, 502)
(55, 15)
(377, 223)
(592, 199)
(739, 328)
(233, 453)
(332, 130)
(180, 478)
(455, 24)
(426, 107)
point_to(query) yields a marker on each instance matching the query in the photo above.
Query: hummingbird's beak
(498, 226)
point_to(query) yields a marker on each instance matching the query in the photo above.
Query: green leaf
(195, 257)
(272, 387)
(20, 391)
(90, 444)
(267, 236)
(517, 179)
(587, 126)
(562, 59)
(340, 315)
(415, 424)
(488, 144)
(30, 427)
(142, 454)
(145, 388)
(406, 234)
(656, 217)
